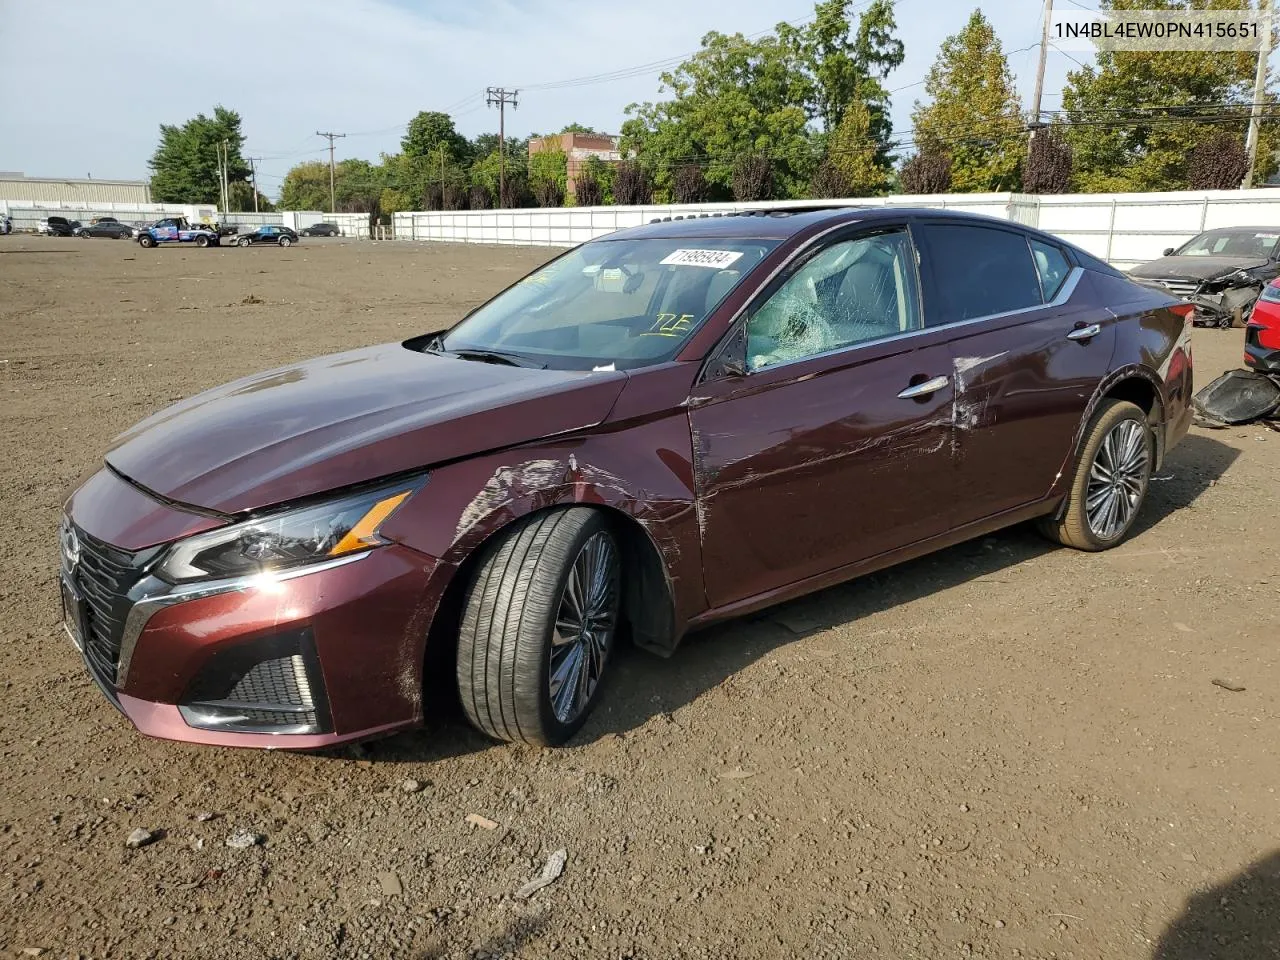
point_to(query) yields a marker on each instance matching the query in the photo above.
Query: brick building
(577, 148)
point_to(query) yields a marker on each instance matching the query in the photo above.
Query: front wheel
(1110, 482)
(243, 242)
(538, 627)
(285, 241)
(147, 240)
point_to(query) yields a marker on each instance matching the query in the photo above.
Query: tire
(202, 241)
(1118, 432)
(285, 241)
(513, 641)
(333, 233)
(147, 240)
(243, 242)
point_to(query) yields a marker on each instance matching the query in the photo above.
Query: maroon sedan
(662, 428)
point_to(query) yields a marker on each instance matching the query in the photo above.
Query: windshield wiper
(495, 356)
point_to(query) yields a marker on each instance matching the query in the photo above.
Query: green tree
(242, 198)
(733, 97)
(548, 177)
(739, 97)
(1135, 118)
(603, 173)
(306, 187)
(975, 114)
(844, 66)
(580, 128)
(185, 164)
(854, 153)
(358, 185)
(428, 130)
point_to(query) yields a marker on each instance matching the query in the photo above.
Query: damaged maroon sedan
(669, 426)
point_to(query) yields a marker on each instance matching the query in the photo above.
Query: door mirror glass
(1168, 251)
(852, 292)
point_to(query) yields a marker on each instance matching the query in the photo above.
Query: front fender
(645, 474)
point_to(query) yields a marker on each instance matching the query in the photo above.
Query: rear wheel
(243, 242)
(1111, 480)
(538, 627)
(202, 241)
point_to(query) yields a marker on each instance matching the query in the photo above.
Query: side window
(852, 292)
(1052, 267)
(979, 271)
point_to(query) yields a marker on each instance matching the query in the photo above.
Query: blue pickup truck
(177, 230)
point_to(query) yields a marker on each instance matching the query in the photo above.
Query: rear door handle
(1085, 333)
(924, 389)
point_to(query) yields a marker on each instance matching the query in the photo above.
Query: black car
(320, 230)
(59, 227)
(106, 228)
(1221, 271)
(268, 234)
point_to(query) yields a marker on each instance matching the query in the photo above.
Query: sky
(85, 84)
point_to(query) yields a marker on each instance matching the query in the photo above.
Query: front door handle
(924, 389)
(1085, 333)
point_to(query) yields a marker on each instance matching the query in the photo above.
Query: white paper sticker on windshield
(1267, 236)
(715, 259)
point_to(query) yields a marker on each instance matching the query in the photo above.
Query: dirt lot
(1004, 750)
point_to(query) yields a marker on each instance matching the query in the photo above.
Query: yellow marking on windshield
(670, 325)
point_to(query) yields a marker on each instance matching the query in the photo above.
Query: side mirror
(1168, 251)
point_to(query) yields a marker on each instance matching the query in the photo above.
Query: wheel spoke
(584, 627)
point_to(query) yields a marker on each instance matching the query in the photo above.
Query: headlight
(292, 538)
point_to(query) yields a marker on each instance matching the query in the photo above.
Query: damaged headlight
(1271, 292)
(291, 538)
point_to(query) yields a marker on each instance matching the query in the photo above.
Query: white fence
(1122, 228)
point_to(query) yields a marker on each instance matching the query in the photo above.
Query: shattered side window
(852, 292)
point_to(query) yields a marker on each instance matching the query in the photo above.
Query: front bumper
(1258, 355)
(319, 656)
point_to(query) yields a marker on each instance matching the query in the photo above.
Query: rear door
(834, 445)
(1028, 350)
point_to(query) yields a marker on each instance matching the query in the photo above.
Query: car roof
(1271, 229)
(781, 223)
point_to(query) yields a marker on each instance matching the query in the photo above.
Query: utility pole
(500, 97)
(226, 180)
(253, 172)
(1259, 91)
(1044, 53)
(333, 204)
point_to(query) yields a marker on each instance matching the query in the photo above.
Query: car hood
(334, 421)
(1194, 268)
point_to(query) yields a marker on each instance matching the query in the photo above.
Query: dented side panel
(816, 464)
(1021, 389)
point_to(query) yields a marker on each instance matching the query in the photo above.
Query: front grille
(1180, 288)
(104, 575)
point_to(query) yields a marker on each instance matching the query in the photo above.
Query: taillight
(1271, 292)
(1184, 310)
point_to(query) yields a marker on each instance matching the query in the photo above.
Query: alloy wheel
(1117, 480)
(585, 624)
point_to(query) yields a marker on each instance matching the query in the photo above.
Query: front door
(835, 444)
(1029, 346)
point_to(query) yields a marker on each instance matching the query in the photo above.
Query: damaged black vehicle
(1221, 271)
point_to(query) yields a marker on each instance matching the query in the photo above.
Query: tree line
(803, 112)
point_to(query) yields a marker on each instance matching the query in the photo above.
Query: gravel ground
(1002, 750)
